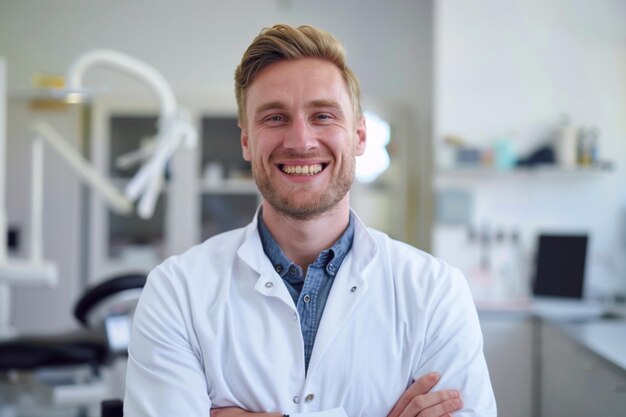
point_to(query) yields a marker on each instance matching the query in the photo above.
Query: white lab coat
(216, 327)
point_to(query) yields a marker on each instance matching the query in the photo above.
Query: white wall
(196, 46)
(510, 69)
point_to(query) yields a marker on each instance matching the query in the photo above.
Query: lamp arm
(148, 181)
(130, 65)
(83, 168)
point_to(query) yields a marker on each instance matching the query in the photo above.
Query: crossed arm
(417, 401)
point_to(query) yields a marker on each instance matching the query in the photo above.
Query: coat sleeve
(165, 376)
(454, 346)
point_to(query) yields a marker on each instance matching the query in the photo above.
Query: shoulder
(201, 268)
(416, 273)
(403, 257)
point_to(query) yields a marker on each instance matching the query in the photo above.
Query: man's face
(301, 136)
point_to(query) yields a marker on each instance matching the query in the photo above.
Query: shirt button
(269, 284)
(307, 298)
(296, 400)
(292, 271)
(279, 268)
(309, 398)
(331, 267)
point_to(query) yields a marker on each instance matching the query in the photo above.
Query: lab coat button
(353, 289)
(307, 298)
(269, 284)
(296, 400)
(309, 398)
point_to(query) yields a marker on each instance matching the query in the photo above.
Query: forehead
(296, 83)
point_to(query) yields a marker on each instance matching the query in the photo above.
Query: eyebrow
(277, 105)
(272, 105)
(326, 103)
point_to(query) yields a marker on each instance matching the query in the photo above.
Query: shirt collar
(330, 259)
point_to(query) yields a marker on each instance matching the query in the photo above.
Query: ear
(361, 137)
(245, 143)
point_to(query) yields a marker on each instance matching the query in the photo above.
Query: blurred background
(504, 122)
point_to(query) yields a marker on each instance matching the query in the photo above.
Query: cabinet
(576, 382)
(510, 354)
(208, 189)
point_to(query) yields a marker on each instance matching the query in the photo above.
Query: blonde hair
(284, 42)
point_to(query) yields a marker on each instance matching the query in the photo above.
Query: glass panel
(221, 146)
(128, 134)
(126, 232)
(223, 212)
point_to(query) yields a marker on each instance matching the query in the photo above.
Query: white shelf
(541, 171)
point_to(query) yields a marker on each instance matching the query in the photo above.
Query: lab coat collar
(364, 247)
(349, 286)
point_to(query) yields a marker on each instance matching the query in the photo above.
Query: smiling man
(306, 309)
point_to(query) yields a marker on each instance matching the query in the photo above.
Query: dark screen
(560, 267)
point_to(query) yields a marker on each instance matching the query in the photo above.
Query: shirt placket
(307, 308)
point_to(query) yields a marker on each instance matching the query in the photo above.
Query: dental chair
(65, 372)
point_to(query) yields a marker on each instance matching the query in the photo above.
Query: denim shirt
(309, 292)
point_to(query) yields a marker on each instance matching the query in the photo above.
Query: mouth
(302, 170)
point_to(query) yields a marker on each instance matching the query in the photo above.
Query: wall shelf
(540, 171)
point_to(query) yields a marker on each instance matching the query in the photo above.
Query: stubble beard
(312, 207)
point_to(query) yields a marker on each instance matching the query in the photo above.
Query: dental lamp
(174, 125)
(173, 128)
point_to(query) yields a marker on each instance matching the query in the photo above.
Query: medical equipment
(65, 371)
(174, 128)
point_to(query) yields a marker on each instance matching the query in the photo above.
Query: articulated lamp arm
(174, 125)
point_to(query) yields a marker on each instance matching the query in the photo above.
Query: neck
(302, 240)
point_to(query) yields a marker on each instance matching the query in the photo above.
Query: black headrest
(95, 294)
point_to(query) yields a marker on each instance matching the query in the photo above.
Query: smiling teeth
(302, 169)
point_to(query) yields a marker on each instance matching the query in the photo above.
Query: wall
(509, 69)
(196, 46)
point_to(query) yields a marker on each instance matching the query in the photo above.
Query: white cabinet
(576, 382)
(208, 190)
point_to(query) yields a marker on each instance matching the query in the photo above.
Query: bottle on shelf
(566, 146)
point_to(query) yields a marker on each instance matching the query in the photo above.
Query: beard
(315, 202)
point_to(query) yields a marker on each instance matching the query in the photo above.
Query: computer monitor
(117, 329)
(560, 266)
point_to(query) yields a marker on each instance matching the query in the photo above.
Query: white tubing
(156, 165)
(150, 196)
(171, 125)
(83, 168)
(135, 157)
(133, 66)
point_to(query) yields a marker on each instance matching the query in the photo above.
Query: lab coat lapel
(349, 289)
(268, 283)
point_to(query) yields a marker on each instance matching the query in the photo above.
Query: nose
(301, 136)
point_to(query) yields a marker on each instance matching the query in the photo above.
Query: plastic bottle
(566, 146)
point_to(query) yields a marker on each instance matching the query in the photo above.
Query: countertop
(598, 327)
(606, 339)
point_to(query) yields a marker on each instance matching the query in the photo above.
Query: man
(305, 309)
